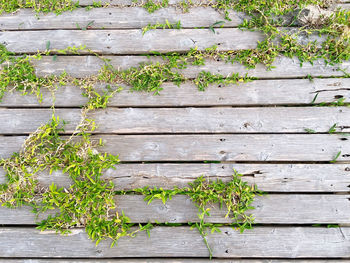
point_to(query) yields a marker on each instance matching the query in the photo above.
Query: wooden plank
(268, 177)
(228, 147)
(259, 92)
(130, 41)
(271, 209)
(271, 147)
(264, 242)
(84, 66)
(121, 18)
(116, 18)
(186, 120)
(278, 178)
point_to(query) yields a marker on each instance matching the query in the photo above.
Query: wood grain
(264, 242)
(259, 92)
(130, 41)
(286, 178)
(116, 18)
(123, 18)
(186, 120)
(268, 177)
(271, 209)
(83, 66)
(272, 147)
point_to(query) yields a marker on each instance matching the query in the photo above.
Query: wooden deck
(257, 128)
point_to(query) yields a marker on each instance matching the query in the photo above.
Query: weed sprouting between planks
(89, 201)
(43, 6)
(166, 25)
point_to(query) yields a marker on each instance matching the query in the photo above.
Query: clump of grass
(205, 78)
(89, 201)
(19, 74)
(234, 196)
(167, 25)
(45, 6)
(151, 5)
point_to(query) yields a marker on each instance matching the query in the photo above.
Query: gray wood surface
(261, 242)
(272, 147)
(186, 120)
(83, 66)
(125, 18)
(259, 92)
(130, 41)
(116, 18)
(286, 178)
(270, 209)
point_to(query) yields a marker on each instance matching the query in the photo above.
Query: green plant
(45, 6)
(205, 78)
(336, 157)
(89, 201)
(167, 25)
(234, 196)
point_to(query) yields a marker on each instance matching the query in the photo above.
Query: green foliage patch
(89, 201)
(166, 25)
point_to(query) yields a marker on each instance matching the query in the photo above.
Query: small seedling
(332, 129)
(309, 130)
(216, 24)
(88, 26)
(336, 157)
(167, 25)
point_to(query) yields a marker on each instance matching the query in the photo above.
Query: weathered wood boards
(84, 66)
(130, 41)
(261, 242)
(186, 120)
(271, 147)
(259, 92)
(122, 18)
(280, 178)
(116, 18)
(270, 209)
(223, 147)
(268, 177)
(287, 178)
